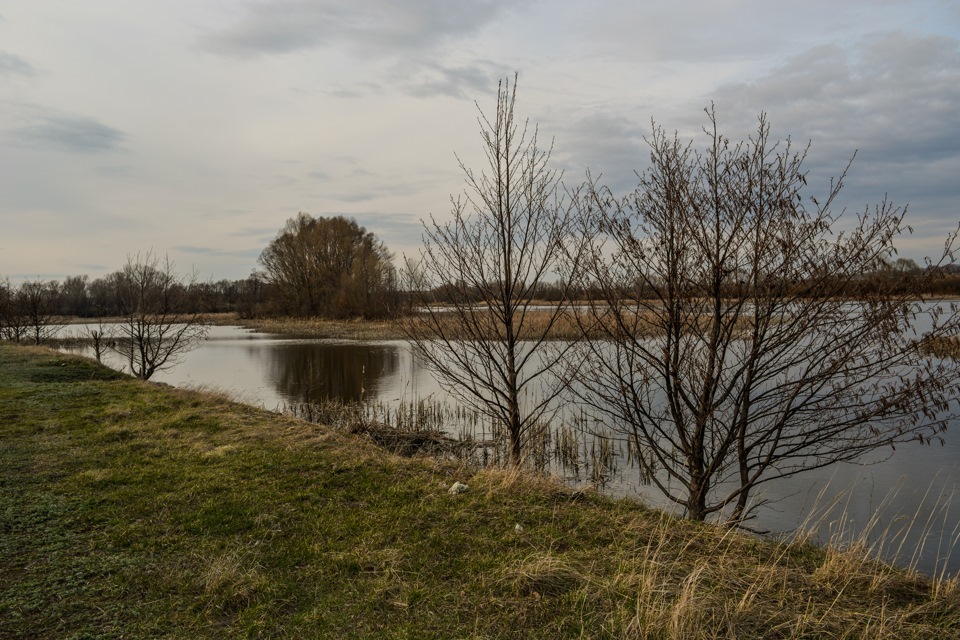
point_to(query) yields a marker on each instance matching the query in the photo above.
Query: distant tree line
(27, 310)
(329, 267)
(81, 297)
(897, 276)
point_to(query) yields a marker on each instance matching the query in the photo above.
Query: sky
(196, 128)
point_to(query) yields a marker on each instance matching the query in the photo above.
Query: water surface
(906, 494)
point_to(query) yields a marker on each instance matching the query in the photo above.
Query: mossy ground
(135, 510)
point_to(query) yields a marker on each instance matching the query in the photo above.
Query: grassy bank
(353, 329)
(135, 510)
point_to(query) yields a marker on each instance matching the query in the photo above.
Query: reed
(569, 447)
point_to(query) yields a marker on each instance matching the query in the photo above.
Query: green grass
(135, 510)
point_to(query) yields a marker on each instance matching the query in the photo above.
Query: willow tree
(502, 243)
(748, 335)
(330, 267)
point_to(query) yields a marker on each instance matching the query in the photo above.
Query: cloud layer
(198, 128)
(68, 133)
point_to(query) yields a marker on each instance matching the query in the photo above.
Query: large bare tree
(485, 344)
(160, 322)
(748, 335)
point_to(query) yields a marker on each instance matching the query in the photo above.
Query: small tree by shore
(159, 321)
(503, 243)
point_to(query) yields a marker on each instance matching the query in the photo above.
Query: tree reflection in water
(316, 372)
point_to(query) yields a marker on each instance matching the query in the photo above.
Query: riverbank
(132, 509)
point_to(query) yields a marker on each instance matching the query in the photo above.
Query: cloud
(608, 144)
(892, 93)
(376, 28)
(892, 97)
(427, 80)
(748, 31)
(219, 253)
(14, 65)
(355, 90)
(68, 133)
(412, 35)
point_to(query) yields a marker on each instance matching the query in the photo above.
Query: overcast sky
(196, 128)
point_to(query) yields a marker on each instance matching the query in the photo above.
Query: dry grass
(354, 329)
(941, 347)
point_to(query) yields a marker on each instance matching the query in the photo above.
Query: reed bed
(569, 448)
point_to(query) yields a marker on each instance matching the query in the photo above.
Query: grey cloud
(376, 28)
(380, 188)
(430, 79)
(90, 266)
(255, 231)
(708, 32)
(409, 33)
(14, 65)
(219, 253)
(116, 170)
(892, 93)
(68, 133)
(892, 96)
(610, 144)
(355, 90)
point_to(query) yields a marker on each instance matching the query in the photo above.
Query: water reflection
(317, 372)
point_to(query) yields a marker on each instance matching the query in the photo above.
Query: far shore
(361, 329)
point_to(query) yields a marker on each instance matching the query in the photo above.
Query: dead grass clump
(514, 480)
(543, 574)
(347, 329)
(231, 581)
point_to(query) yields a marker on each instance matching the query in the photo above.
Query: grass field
(134, 510)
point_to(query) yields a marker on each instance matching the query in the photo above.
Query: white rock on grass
(457, 487)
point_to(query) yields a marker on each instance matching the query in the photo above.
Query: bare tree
(13, 321)
(159, 323)
(748, 335)
(99, 338)
(39, 302)
(505, 238)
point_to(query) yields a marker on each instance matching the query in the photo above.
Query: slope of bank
(131, 509)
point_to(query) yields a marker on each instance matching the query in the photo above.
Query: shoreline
(141, 510)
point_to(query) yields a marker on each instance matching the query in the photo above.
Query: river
(903, 501)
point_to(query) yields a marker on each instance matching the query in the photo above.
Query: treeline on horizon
(329, 293)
